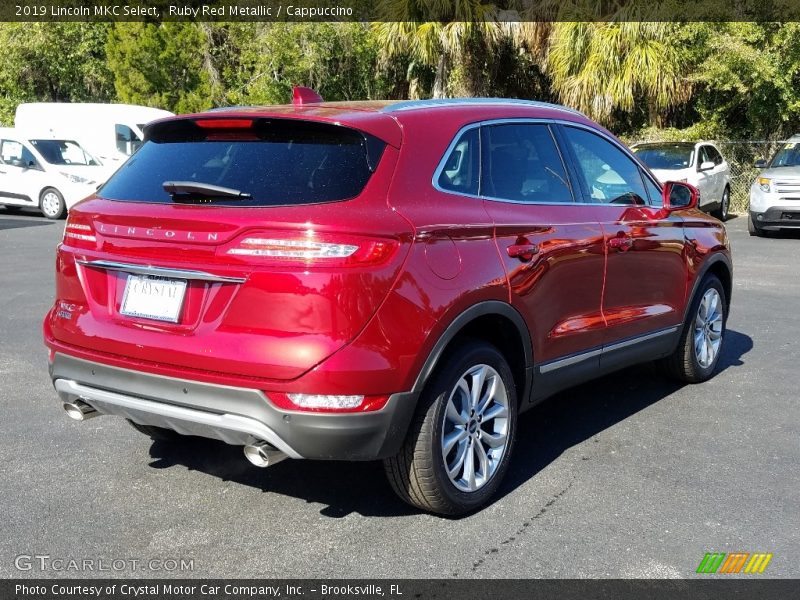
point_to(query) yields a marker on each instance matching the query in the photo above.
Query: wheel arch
(497, 323)
(717, 264)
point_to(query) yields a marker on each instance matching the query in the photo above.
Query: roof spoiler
(304, 95)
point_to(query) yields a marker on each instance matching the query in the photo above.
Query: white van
(52, 174)
(111, 132)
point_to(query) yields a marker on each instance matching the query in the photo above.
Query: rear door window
(16, 154)
(273, 163)
(521, 163)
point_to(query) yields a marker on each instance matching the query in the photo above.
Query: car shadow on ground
(544, 433)
(20, 223)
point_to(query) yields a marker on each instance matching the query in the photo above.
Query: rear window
(272, 163)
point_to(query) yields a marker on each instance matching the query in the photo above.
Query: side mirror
(679, 196)
(761, 163)
(707, 165)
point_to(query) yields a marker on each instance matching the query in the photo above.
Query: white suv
(50, 174)
(698, 163)
(775, 194)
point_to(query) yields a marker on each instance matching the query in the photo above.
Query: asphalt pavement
(629, 476)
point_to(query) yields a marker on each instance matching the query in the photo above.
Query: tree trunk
(440, 83)
(655, 117)
(208, 64)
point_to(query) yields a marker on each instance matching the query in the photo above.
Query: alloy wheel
(708, 328)
(475, 432)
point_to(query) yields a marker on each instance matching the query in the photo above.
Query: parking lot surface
(628, 476)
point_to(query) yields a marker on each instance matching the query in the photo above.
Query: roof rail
(443, 102)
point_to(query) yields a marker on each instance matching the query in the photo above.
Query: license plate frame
(153, 297)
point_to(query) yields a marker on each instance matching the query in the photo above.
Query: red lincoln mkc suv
(378, 280)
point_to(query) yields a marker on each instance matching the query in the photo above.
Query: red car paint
(369, 328)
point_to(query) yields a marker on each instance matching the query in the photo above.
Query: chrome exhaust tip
(78, 410)
(261, 454)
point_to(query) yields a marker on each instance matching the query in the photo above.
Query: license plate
(153, 297)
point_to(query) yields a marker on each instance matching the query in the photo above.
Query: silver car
(698, 163)
(775, 193)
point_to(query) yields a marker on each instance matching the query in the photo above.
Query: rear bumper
(234, 415)
(777, 217)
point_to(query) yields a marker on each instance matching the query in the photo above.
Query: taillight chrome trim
(109, 265)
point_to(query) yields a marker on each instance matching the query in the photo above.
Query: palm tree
(436, 33)
(598, 67)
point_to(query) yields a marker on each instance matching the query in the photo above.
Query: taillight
(254, 246)
(310, 248)
(79, 232)
(327, 403)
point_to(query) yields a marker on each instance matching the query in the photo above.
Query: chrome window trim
(108, 265)
(533, 120)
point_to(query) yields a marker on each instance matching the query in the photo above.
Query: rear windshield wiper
(197, 191)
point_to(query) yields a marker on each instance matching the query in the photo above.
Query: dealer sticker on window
(152, 297)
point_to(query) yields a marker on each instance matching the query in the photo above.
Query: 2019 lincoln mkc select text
(378, 280)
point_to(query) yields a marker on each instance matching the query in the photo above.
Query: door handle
(621, 243)
(524, 251)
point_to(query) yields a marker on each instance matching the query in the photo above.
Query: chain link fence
(741, 156)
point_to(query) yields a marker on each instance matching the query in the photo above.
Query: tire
(701, 342)
(52, 204)
(753, 229)
(724, 206)
(418, 473)
(157, 434)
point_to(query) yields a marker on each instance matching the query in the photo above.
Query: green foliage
(702, 130)
(746, 76)
(600, 68)
(339, 60)
(52, 62)
(160, 65)
(448, 36)
(692, 80)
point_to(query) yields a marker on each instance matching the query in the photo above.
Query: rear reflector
(327, 403)
(331, 402)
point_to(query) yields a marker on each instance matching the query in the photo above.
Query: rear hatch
(250, 246)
